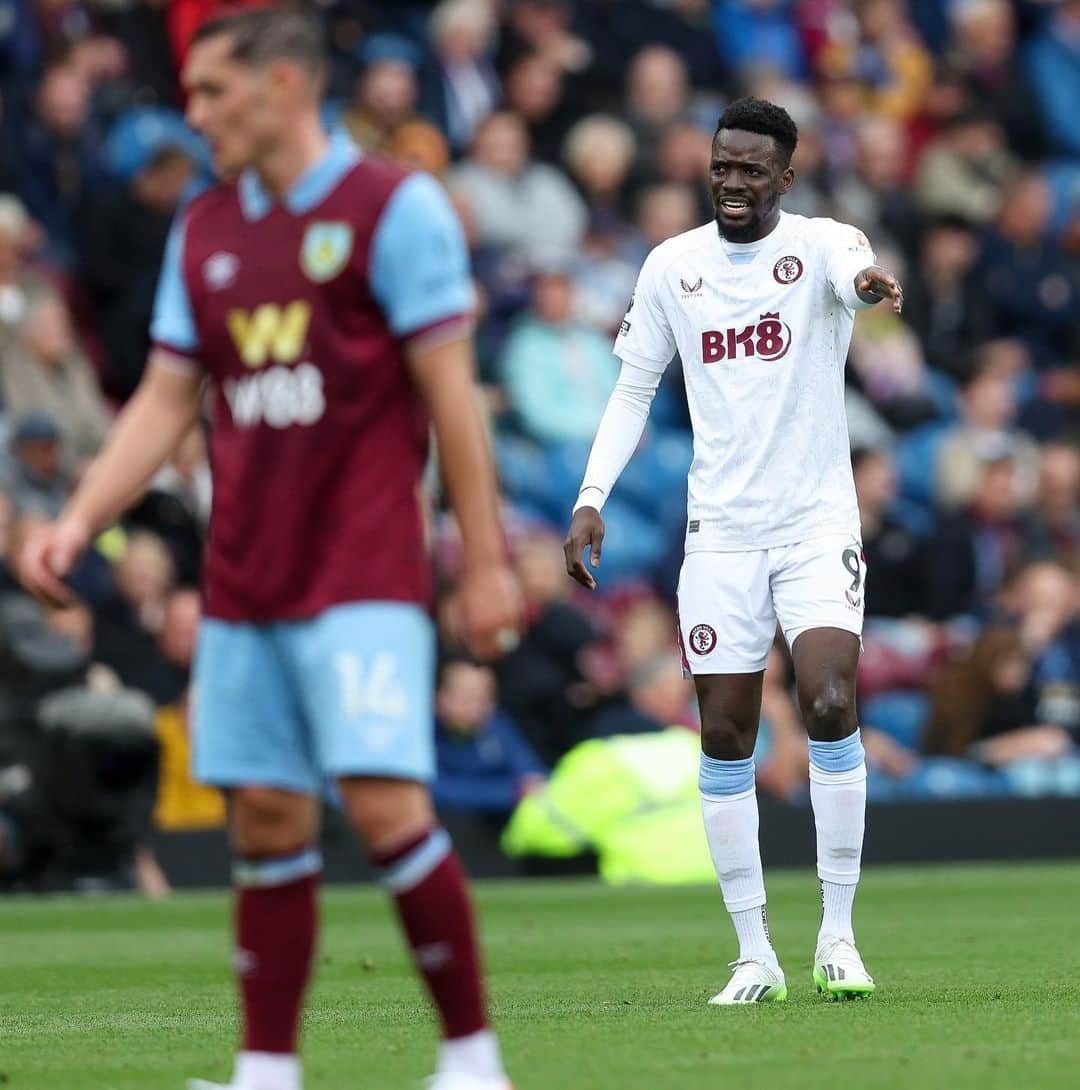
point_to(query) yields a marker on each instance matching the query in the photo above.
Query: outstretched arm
(617, 438)
(874, 283)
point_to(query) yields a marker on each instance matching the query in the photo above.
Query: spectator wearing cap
(386, 92)
(461, 87)
(20, 285)
(558, 373)
(156, 158)
(47, 371)
(36, 479)
(526, 209)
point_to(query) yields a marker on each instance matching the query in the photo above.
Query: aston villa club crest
(787, 270)
(702, 639)
(326, 250)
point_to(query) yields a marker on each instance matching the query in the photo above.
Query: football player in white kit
(759, 306)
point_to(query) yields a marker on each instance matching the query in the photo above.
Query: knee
(386, 813)
(726, 739)
(265, 821)
(831, 714)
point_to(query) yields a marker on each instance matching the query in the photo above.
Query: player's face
(747, 178)
(230, 103)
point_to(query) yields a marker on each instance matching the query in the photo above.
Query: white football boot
(839, 972)
(754, 980)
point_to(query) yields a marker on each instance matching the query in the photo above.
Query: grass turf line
(593, 988)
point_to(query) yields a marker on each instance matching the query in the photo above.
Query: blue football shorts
(296, 703)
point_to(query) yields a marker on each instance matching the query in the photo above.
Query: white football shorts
(729, 603)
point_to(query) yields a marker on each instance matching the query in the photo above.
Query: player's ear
(787, 179)
(283, 79)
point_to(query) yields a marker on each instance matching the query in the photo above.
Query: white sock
(267, 1071)
(476, 1055)
(839, 801)
(731, 826)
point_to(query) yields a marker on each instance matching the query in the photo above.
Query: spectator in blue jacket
(484, 763)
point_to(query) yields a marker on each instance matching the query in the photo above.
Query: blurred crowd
(574, 135)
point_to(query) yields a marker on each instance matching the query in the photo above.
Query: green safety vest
(632, 799)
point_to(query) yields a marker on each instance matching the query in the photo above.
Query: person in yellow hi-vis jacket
(633, 799)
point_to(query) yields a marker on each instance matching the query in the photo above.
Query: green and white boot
(839, 972)
(753, 980)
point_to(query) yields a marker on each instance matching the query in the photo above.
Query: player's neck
(763, 232)
(303, 146)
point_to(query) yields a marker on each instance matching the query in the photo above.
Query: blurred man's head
(387, 90)
(949, 249)
(658, 86)
(161, 183)
(1025, 210)
(659, 690)
(1059, 483)
(533, 87)
(599, 151)
(984, 31)
(750, 168)
(553, 297)
(180, 630)
(461, 30)
(665, 211)
(683, 154)
(465, 698)
(63, 99)
(145, 572)
(249, 77)
(997, 496)
(881, 151)
(502, 143)
(988, 402)
(36, 444)
(541, 571)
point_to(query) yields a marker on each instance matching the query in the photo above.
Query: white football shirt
(762, 329)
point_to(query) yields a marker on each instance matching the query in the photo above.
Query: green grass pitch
(593, 988)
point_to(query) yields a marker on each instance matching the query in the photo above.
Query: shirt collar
(311, 188)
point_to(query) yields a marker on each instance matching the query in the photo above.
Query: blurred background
(573, 136)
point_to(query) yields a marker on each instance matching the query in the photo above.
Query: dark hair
(765, 118)
(262, 35)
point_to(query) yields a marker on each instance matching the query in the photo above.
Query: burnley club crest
(326, 250)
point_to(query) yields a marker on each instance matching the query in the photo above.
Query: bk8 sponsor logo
(769, 339)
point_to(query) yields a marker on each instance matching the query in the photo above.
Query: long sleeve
(619, 433)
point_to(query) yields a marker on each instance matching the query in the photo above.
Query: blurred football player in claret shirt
(325, 297)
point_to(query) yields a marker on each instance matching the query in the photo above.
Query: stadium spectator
(965, 171)
(461, 87)
(130, 622)
(1032, 286)
(982, 706)
(599, 151)
(985, 430)
(1055, 521)
(944, 303)
(420, 146)
(20, 284)
(36, 478)
(152, 155)
(557, 373)
(46, 371)
(894, 553)
(57, 148)
(387, 91)
(526, 209)
(657, 95)
(535, 92)
(484, 762)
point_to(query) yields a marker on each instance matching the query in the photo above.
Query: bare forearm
(148, 430)
(445, 376)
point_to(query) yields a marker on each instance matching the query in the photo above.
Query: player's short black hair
(765, 118)
(259, 36)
